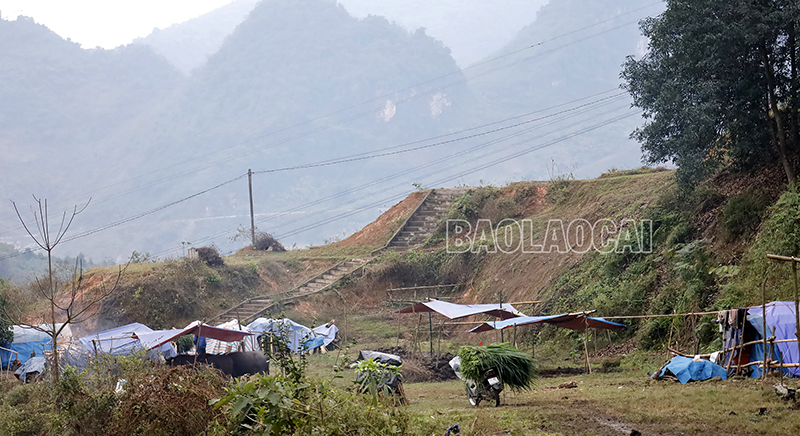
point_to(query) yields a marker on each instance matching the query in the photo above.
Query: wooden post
(672, 324)
(585, 345)
(586, 351)
(796, 308)
(430, 331)
(515, 336)
(252, 215)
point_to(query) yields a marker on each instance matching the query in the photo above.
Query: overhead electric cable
(538, 44)
(443, 180)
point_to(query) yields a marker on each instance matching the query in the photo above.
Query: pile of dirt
(378, 232)
(423, 367)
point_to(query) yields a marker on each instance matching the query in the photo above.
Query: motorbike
(488, 388)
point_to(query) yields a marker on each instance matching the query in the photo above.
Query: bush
(742, 214)
(210, 255)
(264, 241)
(295, 404)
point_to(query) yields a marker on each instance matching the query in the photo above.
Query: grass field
(611, 403)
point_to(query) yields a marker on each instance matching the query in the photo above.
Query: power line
(442, 180)
(475, 169)
(361, 156)
(385, 151)
(537, 44)
(135, 217)
(417, 168)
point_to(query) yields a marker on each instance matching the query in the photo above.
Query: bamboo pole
(660, 316)
(424, 287)
(585, 345)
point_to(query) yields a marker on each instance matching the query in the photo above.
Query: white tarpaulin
(328, 332)
(298, 337)
(456, 311)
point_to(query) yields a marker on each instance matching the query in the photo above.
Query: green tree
(719, 83)
(6, 334)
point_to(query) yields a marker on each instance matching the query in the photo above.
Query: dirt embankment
(378, 232)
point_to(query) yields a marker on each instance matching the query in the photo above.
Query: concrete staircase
(248, 310)
(424, 221)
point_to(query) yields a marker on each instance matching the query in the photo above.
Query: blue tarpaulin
(686, 369)
(27, 340)
(780, 316)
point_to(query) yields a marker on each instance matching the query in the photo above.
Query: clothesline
(661, 316)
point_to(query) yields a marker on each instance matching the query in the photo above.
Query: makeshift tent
(116, 341)
(328, 332)
(197, 328)
(298, 338)
(686, 369)
(125, 340)
(248, 343)
(574, 321)
(28, 340)
(456, 311)
(134, 337)
(31, 365)
(743, 326)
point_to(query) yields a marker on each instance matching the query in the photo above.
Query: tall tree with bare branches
(75, 304)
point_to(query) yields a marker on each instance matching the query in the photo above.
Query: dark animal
(249, 362)
(235, 364)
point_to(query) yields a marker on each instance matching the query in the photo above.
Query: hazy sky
(107, 23)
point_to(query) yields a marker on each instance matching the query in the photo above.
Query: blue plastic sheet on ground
(686, 369)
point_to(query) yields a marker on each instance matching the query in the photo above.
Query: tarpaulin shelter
(31, 365)
(29, 339)
(456, 311)
(328, 333)
(298, 338)
(117, 341)
(743, 336)
(197, 328)
(248, 343)
(134, 337)
(686, 369)
(574, 321)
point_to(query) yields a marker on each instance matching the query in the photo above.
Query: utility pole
(252, 216)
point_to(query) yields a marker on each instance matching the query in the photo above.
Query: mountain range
(162, 143)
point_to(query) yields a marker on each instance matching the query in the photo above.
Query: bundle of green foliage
(292, 403)
(517, 369)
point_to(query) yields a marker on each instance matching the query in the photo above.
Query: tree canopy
(718, 84)
(6, 334)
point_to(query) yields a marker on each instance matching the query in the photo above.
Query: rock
(568, 385)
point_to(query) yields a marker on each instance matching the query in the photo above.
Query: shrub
(265, 241)
(210, 256)
(295, 404)
(742, 214)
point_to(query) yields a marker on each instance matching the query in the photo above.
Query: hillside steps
(423, 222)
(248, 310)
